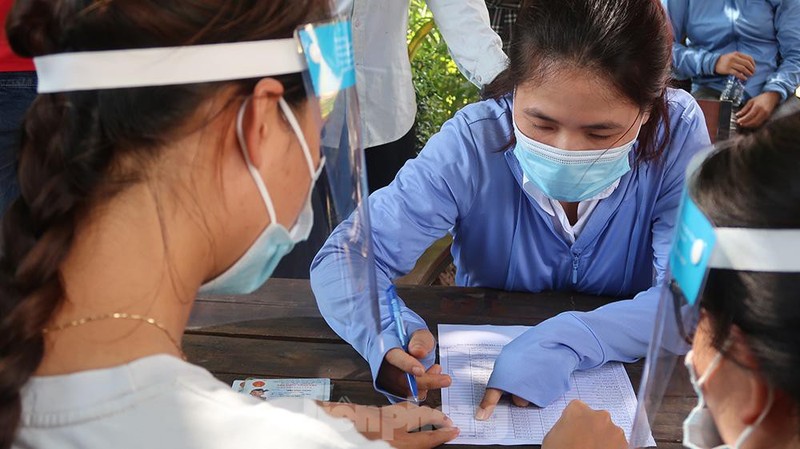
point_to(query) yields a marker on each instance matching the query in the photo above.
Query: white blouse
(163, 402)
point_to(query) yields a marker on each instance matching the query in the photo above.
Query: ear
(645, 116)
(759, 398)
(261, 116)
(755, 386)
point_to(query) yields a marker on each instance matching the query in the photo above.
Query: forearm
(475, 47)
(537, 365)
(693, 62)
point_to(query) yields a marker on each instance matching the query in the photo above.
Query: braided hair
(73, 144)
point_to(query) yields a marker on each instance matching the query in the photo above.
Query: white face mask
(699, 429)
(256, 265)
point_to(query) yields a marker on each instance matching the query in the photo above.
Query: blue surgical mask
(699, 429)
(253, 269)
(571, 176)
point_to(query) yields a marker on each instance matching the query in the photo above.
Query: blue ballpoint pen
(394, 303)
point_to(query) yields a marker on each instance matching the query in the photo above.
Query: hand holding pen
(401, 367)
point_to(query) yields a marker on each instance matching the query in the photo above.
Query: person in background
(386, 92)
(17, 91)
(385, 89)
(503, 15)
(745, 350)
(140, 188)
(568, 178)
(757, 42)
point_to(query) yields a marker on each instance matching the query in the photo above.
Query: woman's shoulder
(219, 413)
(477, 131)
(683, 107)
(688, 134)
(162, 401)
(489, 112)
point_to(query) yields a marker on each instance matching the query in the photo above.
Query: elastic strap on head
(751, 428)
(287, 111)
(712, 367)
(262, 188)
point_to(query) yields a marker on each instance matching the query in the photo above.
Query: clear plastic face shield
(322, 52)
(699, 246)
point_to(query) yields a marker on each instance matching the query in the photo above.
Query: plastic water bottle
(734, 91)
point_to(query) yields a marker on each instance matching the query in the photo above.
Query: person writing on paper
(742, 327)
(147, 176)
(569, 178)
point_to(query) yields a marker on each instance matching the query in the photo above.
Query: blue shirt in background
(767, 30)
(466, 182)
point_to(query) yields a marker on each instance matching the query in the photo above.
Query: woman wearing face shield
(172, 149)
(742, 328)
(568, 178)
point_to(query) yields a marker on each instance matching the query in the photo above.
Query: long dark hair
(72, 143)
(628, 41)
(754, 184)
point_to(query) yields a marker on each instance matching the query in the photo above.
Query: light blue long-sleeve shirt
(767, 30)
(467, 183)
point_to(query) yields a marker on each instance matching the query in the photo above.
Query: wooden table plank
(279, 332)
(253, 315)
(257, 358)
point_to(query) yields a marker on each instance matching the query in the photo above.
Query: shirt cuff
(388, 340)
(493, 67)
(710, 63)
(772, 87)
(537, 366)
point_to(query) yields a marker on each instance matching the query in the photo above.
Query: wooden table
(278, 332)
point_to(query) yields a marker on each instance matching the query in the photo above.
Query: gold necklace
(117, 316)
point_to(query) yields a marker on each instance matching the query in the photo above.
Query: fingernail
(417, 371)
(482, 414)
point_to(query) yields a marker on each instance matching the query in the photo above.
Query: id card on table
(314, 389)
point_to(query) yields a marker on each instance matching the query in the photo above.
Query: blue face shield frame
(700, 246)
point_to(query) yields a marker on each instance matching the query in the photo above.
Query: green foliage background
(440, 87)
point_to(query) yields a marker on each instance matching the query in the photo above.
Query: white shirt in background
(556, 210)
(383, 71)
(162, 402)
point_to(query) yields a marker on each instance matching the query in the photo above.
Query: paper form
(468, 353)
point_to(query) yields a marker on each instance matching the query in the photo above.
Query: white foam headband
(114, 69)
(766, 250)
